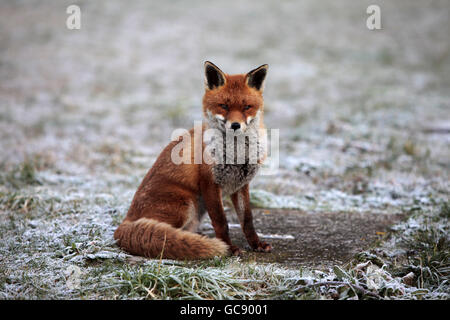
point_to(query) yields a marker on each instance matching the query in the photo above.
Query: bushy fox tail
(153, 239)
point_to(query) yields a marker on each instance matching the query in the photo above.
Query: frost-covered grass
(411, 263)
(425, 241)
(364, 127)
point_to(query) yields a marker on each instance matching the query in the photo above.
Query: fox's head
(234, 102)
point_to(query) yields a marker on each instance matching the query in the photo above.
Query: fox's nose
(235, 125)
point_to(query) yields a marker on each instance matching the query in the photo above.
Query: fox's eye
(247, 107)
(223, 106)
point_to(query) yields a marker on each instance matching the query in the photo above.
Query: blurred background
(104, 99)
(363, 114)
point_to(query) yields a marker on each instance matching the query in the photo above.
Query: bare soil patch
(313, 239)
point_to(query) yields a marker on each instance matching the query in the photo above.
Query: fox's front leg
(212, 196)
(241, 202)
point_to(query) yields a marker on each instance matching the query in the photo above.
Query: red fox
(172, 199)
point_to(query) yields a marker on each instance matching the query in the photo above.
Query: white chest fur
(232, 177)
(238, 167)
(236, 158)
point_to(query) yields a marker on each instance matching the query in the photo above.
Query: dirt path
(312, 239)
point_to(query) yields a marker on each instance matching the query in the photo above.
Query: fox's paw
(263, 247)
(235, 251)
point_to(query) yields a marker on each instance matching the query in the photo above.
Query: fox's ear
(256, 77)
(214, 77)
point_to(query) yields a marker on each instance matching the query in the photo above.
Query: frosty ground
(358, 209)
